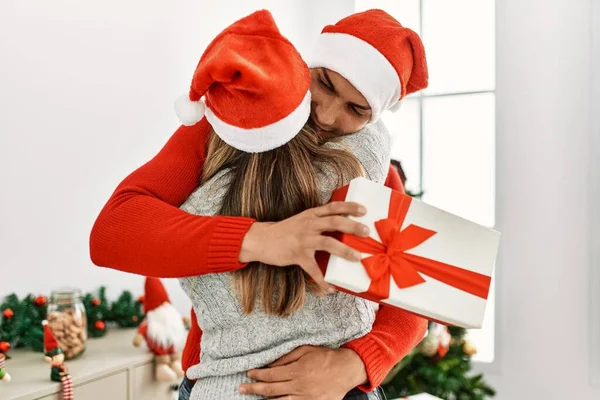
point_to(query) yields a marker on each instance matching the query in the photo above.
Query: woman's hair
(272, 186)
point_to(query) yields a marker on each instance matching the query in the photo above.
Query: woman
(269, 167)
(140, 231)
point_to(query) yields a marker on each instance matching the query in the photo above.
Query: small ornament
(40, 301)
(4, 347)
(134, 318)
(96, 302)
(166, 344)
(444, 338)
(429, 346)
(56, 358)
(8, 313)
(437, 341)
(100, 325)
(469, 348)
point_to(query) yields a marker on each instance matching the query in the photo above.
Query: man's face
(337, 108)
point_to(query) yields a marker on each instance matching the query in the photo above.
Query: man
(364, 65)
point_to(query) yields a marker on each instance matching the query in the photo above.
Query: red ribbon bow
(390, 260)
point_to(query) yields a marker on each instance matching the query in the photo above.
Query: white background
(86, 96)
(86, 91)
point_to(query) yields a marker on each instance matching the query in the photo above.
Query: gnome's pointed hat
(155, 294)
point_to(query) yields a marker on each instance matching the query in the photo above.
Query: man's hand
(309, 372)
(295, 240)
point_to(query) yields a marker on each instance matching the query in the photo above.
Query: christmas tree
(21, 323)
(440, 365)
(32, 334)
(97, 312)
(10, 317)
(126, 311)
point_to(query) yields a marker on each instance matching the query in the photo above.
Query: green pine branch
(448, 377)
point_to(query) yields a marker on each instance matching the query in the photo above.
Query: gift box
(417, 257)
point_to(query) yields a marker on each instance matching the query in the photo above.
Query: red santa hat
(155, 294)
(51, 347)
(252, 85)
(382, 59)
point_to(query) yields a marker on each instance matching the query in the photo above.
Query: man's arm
(393, 180)
(191, 351)
(141, 229)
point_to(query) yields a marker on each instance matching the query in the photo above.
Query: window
(445, 136)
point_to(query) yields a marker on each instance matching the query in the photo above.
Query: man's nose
(326, 114)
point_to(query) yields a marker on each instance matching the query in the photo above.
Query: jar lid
(65, 295)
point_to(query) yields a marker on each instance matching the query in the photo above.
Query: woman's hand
(295, 240)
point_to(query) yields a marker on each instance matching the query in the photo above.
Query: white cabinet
(111, 368)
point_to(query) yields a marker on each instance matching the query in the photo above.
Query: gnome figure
(4, 347)
(164, 331)
(55, 357)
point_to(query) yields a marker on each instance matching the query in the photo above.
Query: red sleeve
(191, 351)
(395, 331)
(393, 180)
(141, 229)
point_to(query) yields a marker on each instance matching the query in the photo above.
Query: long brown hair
(272, 186)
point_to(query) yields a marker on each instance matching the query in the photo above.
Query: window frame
(594, 210)
(483, 366)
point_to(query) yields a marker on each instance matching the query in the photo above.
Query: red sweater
(141, 230)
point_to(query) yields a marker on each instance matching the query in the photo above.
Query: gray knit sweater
(232, 342)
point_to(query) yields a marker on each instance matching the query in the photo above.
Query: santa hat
(382, 59)
(252, 85)
(51, 347)
(155, 294)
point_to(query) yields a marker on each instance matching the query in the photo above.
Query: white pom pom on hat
(189, 112)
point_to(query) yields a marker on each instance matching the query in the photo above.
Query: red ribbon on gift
(389, 258)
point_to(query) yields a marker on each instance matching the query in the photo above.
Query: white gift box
(445, 277)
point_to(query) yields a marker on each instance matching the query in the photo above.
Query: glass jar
(67, 321)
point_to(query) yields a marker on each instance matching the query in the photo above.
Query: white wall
(543, 153)
(86, 96)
